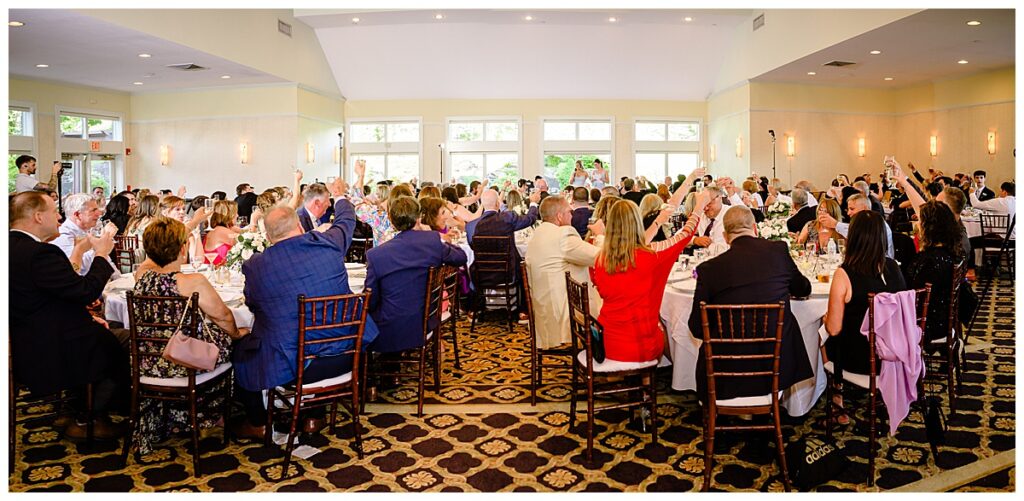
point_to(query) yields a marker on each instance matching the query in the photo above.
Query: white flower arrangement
(774, 229)
(247, 245)
(778, 210)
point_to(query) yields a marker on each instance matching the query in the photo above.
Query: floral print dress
(159, 418)
(377, 218)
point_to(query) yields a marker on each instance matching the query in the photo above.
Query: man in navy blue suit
(504, 223)
(315, 202)
(397, 272)
(581, 211)
(309, 263)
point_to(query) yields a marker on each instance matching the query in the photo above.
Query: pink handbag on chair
(189, 351)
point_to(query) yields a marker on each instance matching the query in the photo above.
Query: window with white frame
(391, 149)
(20, 121)
(568, 140)
(21, 133)
(666, 148)
(90, 127)
(484, 148)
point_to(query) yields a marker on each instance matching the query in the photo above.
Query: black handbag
(597, 342)
(812, 461)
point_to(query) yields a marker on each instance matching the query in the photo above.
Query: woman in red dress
(630, 275)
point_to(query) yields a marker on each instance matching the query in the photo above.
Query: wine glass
(208, 203)
(210, 258)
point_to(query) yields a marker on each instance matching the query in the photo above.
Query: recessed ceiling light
(888, 79)
(875, 52)
(225, 77)
(355, 19)
(612, 19)
(145, 56)
(439, 16)
(528, 18)
(42, 66)
(811, 73)
(962, 61)
(687, 19)
(973, 23)
(15, 24)
(136, 83)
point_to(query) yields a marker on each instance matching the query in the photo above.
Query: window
(666, 148)
(566, 140)
(12, 169)
(90, 127)
(480, 148)
(391, 149)
(19, 121)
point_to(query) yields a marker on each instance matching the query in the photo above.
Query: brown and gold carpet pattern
(514, 447)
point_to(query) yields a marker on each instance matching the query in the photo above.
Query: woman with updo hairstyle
(166, 241)
(223, 233)
(650, 207)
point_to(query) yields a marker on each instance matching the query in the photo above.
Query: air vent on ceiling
(187, 67)
(284, 27)
(839, 64)
(758, 22)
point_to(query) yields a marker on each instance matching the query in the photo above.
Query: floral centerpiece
(774, 229)
(248, 243)
(778, 210)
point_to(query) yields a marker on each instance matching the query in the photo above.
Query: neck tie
(711, 224)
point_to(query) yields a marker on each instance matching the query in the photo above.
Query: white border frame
(19, 143)
(667, 147)
(572, 147)
(383, 148)
(481, 147)
(66, 145)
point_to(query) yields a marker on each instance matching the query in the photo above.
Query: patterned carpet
(511, 446)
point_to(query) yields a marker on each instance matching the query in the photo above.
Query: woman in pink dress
(223, 233)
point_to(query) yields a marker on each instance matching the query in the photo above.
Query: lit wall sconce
(244, 152)
(310, 153)
(933, 145)
(714, 153)
(165, 154)
(861, 147)
(991, 143)
(790, 146)
(739, 147)
(337, 155)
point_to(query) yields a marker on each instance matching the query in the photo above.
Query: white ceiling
(919, 48)
(497, 54)
(83, 50)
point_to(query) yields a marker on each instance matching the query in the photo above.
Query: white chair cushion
(747, 401)
(182, 381)
(862, 380)
(445, 315)
(610, 365)
(323, 383)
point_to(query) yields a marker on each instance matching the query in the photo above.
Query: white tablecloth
(685, 348)
(115, 302)
(972, 225)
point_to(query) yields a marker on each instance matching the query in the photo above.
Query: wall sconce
(790, 146)
(310, 153)
(861, 147)
(933, 145)
(337, 155)
(739, 147)
(714, 153)
(991, 143)
(244, 152)
(165, 154)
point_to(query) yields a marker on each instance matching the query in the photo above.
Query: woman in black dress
(939, 254)
(865, 270)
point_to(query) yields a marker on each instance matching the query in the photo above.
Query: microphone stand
(440, 150)
(774, 175)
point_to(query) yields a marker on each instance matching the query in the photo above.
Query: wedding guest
(101, 200)
(435, 216)
(650, 208)
(556, 248)
(148, 210)
(817, 234)
(1005, 203)
(632, 191)
(630, 276)
(56, 344)
(865, 269)
(166, 243)
(856, 204)
(601, 214)
(979, 190)
(504, 223)
(81, 214)
(298, 263)
(752, 271)
(118, 212)
(316, 198)
(223, 232)
(397, 272)
(802, 212)
(581, 211)
(25, 179)
(939, 252)
(246, 199)
(751, 187)
(710, 229)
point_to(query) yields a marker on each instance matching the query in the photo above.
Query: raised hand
(181, 192)
(298, 175)
(360, 167)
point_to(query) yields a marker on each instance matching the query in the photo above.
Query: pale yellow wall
(219, 102)
(46, 96)
(434, 114)
(729, 119)
(245, 36)
(793, 97)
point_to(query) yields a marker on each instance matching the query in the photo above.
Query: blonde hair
(148, 208)
(171, 202)
(650, 203)
(430, 191)
(224, 213)
(623, 238)
(266, 201)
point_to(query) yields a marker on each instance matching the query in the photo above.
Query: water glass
(208, 203)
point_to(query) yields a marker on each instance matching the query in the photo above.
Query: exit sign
(94, 146)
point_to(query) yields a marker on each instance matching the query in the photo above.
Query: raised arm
(344, 224)
(296, 199)
(680, 193)
(916, 200)
(360, 169)
(687, 231)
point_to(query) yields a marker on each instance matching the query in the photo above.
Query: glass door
(101, 172)
(71, 178)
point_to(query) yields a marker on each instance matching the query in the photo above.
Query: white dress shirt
(999, 205)
(66, 241)
(844, 230)
(24, 182)
(717, 230)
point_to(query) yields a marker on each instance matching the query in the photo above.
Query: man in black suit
(632, 191)
(979, 189)
(56, 343)
(581, 210)
(752, 271)
(802, 212)
(246, 199)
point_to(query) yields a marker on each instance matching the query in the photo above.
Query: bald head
(737, 222)
(489, 199)
(282, 223)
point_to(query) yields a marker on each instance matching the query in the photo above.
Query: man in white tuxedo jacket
(556, 248)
